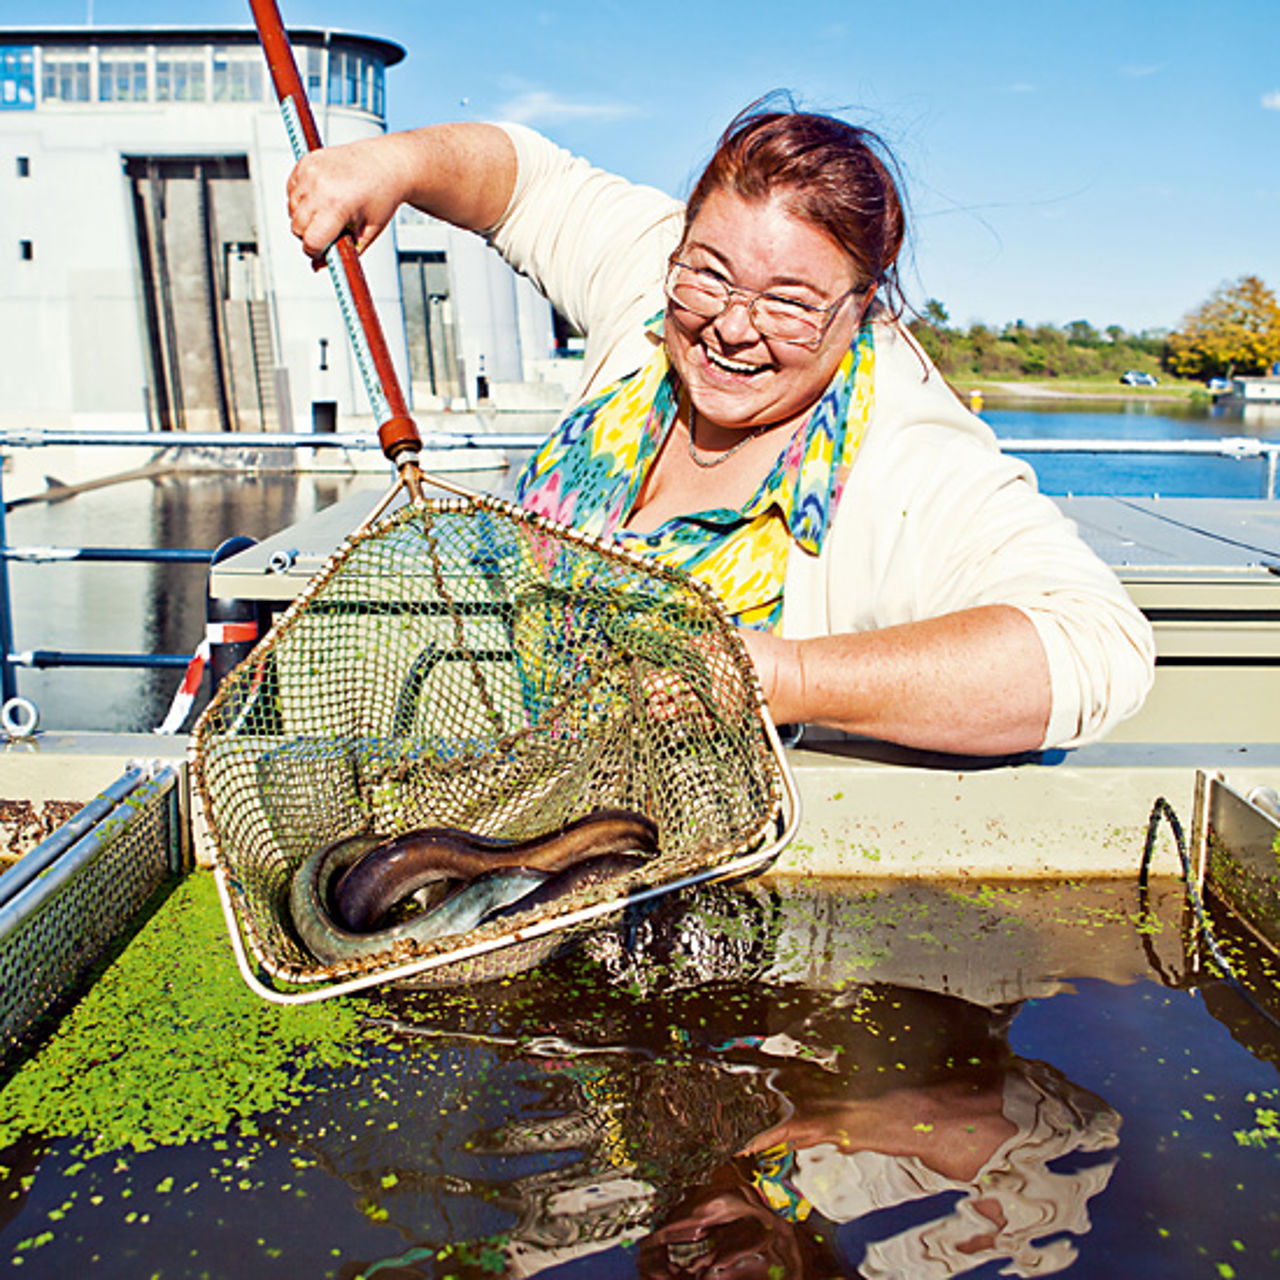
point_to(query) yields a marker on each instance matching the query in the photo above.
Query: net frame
(613, 683)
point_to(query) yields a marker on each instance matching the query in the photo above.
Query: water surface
(847, 1080)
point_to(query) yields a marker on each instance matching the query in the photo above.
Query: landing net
(463, 663)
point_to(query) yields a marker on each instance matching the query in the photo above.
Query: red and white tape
(215, 633)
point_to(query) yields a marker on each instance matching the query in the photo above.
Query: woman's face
(735, 377)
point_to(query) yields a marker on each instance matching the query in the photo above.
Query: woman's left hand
(974, 682)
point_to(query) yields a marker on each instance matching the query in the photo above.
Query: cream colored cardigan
(933, 519)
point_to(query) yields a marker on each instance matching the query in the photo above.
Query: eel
(590, 871)
(390, 871)
(462, 909)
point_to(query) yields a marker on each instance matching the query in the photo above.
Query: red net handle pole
(397, 432)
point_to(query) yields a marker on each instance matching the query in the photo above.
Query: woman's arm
(462, 173)
(974, 682)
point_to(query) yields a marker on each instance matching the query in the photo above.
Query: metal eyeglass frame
(751, 296)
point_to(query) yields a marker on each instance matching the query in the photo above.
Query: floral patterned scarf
(590, 471)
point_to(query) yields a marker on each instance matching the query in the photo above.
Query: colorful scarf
(590, 471)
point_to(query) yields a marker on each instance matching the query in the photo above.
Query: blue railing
(31, 438)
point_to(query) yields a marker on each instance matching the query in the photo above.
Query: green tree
(935, 314)
(1236, 330)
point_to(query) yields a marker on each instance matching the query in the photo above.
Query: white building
(147, 271)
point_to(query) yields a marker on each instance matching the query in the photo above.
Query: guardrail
(38, 438)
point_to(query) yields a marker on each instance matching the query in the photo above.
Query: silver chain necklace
(720, 457)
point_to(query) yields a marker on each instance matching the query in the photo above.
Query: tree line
(1236, 330)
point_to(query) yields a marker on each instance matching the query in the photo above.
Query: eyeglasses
(782, 319)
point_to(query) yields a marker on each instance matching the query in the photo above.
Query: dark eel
(330, 943)
(495, 878)
(393, 869)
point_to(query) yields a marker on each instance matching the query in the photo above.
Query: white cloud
(539, 106)
(1137, 72)
(1271, 101)
(1021, 86)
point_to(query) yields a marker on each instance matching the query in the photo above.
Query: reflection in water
(727, 1125)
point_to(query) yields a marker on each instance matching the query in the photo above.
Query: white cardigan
(933, 518)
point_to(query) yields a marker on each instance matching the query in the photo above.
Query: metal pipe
(31, 864)
(42, 658)
(80, 854)
(1226, 446)
(38, 438)
(49, 555)
(8, 677)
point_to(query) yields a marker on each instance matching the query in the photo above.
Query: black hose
(1163, 809)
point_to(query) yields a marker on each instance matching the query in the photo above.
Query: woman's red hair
(837, 176)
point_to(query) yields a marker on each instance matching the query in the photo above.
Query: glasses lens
(697, 291)
(788, 322)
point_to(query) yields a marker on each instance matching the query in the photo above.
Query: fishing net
(463, 663)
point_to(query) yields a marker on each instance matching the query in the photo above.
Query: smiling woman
(752, 412)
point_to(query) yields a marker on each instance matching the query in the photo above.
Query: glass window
(26, 250)
(355, 81)
(355, 65)
(66, 75)
(237, 75)
(315, 65)
(122, 76)
(17, 79)
(180, 78)
(379, 105)
(24, 166)
(337, 69)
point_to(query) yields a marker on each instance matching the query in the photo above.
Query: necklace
(720, 457)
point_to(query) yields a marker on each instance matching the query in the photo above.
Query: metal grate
(57, 927)
(1241, 837)
(462, 663)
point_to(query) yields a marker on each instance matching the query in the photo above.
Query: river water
(122, 608)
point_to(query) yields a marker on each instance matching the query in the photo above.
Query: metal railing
(1238, 447)
(38, 438)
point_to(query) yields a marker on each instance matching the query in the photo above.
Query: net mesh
(462, 663)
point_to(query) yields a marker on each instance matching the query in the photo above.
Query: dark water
(135, 608)
(742, 1084)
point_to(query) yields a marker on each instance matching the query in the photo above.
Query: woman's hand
(974, 682)
(462, 173)
(355, 187)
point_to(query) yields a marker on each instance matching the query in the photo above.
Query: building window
(122, 76)
(315, 75)
(24, 166)
(237, 75)
(337, 69)
(26, 250)
(66, 75)
(355, 81)
(180, 79)
(17, 79)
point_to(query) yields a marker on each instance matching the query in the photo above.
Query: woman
(753, 411)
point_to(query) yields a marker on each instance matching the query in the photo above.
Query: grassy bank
(1172, 391)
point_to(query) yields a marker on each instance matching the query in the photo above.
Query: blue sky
(1107, 161)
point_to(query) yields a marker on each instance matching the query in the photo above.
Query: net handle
(397, 431)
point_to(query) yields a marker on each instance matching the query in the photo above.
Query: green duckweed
(169, 1046)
